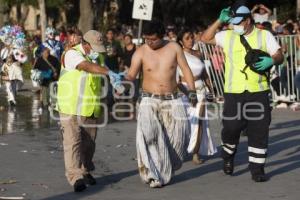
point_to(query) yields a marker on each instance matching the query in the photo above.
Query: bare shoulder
(140, 50)
(173, 47)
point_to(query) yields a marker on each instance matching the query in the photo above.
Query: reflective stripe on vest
(78, 92)
(235, 80)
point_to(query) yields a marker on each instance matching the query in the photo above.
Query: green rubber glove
(264, 63)
(224, 15)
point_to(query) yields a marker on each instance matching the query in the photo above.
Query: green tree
(50, 5)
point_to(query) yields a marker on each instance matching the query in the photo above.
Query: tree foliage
(188, 12)
(49, 3)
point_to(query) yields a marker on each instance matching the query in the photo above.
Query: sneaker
(79, 185)
(155, 184)
(89, 179)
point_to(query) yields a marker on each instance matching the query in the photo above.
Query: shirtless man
(162, 121)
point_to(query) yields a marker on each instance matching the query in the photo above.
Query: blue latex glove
(122, 75)
(115, 80)
(118, 87)
(114, 77)
(225, 15)
(264, 63)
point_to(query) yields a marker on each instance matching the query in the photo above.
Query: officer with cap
(246, 105)
(78, 103)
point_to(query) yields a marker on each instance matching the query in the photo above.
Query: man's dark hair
(128, 35)
(111, 29)
(267, 26)
(154, 27)
(289, 27)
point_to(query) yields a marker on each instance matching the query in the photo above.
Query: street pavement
(32, 167)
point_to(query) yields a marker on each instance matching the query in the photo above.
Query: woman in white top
(200, 139)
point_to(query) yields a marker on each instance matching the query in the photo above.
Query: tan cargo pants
(79, 145)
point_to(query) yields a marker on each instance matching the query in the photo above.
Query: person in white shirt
(12, 72)
(246, 86)
(263, 13)
(78, 104)
(200, 140)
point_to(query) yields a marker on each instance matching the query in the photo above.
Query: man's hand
(115, 80)
(264, 63)
(192, 96)
(225, 15)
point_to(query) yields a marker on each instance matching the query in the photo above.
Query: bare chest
(159, 61)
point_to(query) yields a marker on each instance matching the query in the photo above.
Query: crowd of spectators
(120, 44)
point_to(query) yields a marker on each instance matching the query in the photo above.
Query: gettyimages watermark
(178, 108)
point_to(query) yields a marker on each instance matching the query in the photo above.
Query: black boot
(89, 179)
(259, 178)
(258, 173)
(228, 166)
(79, 185)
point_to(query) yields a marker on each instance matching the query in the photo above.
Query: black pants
(250, 112)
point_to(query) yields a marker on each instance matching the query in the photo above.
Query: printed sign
(142, 9)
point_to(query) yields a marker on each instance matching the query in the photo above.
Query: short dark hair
(289, 27)
(154, 27)
(267, 26)
(111, 29)
(128, 35)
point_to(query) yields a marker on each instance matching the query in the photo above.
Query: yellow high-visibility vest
(235, 80)
(78, 92)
